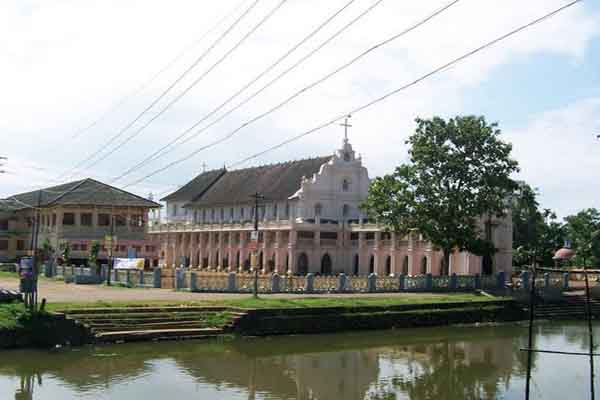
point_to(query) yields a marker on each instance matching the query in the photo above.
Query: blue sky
(69, 61)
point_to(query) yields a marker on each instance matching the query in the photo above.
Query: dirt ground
(56, 291)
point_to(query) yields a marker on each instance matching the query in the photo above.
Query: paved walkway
(56, 291)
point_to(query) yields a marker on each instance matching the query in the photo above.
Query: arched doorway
(326, 265)
(405, 265)
(260, 260)
(388, 266)
(371, 264)
(355, 265)
(424, 265)
(444, 268)
(216, 259)
(271, 264)
(302, 264)
(237, 260)
(487, 265)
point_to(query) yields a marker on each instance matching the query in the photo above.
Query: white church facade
(309, 221)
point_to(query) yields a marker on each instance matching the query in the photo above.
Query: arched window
(318, 209)
(345, 210)
(371, 264)
(388, 265)
(405, 265)
(345, 185)
(326, 265)
(355, 268)
(302, 264)
(424, 265)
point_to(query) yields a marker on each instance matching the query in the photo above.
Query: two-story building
(77, 213)
(309, 221)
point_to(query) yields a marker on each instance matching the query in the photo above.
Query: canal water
(468, 362)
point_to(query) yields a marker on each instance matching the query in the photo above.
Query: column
(242, 248)
(278, 266)
(211, 250)
(230, 252)
(376, 245)
(201, 248)
(220, 247)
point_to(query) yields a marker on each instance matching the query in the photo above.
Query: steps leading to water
(130, 324)
(572, 307)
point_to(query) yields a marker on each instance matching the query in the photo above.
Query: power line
(157, 154)
(385, 96)
(192, 85)
(408, 85)
(303, 90)
(166, 67)
(167, 90)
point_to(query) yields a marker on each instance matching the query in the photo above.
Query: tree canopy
(459, 171)
(583, 230)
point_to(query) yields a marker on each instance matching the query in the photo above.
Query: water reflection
(440, 363)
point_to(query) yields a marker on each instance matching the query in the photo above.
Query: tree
(47, 250)
(93, 256)
(65, 251)
(459, 172)
(583, 229)
(535, 232)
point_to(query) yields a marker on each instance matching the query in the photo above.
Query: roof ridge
(280, 163)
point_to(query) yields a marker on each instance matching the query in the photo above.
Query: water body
(429, 363)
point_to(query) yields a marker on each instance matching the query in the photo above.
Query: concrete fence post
(546, 280)
(341, 282)
(501, 280)
(477, 282)
(275, 283)
(429, 282)
(72, 270)
(231, 282)
(115, 275)
(141, 277)
(310, 283)
(193, 282)
(128, 277)
(525, 280)
(156, 278)
(402, 282)
(453, 281)
(565, 284)
(372, 283)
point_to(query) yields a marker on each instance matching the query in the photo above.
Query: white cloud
(70, 60)
(559, 154)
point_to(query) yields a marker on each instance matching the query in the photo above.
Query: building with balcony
(309, 221)
(77, 213)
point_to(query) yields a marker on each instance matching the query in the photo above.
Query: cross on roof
(204, 167)
(346, 125)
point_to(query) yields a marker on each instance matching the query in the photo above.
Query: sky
(76, 73)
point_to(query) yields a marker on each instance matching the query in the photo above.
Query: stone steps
(129, 324)
(573, 307)
(158, 334)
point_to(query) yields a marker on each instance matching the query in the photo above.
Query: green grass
(270, 302)
(6, 274)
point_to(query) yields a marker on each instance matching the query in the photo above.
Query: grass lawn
(5, 274)
(269, 302)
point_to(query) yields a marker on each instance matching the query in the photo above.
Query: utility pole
(254, 238)
(35, 232)
(111, 259)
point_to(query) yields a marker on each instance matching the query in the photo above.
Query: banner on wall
(129, 263)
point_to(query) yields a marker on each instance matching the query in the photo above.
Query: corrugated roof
(196, 187)
(275, 182)
(83, 192)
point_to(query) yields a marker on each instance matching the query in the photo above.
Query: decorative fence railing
(202, 281)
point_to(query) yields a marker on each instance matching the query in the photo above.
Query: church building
(309, 221)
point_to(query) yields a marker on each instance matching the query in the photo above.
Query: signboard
(129, 263)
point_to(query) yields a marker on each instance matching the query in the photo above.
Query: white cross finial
(346, 125)
(204, 167)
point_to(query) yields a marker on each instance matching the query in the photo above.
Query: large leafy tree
(459, 172)
(536, 233)
(583, 229)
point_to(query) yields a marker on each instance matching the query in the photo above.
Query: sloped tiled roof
(83, 192)
(275, 182)
(196, 187)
